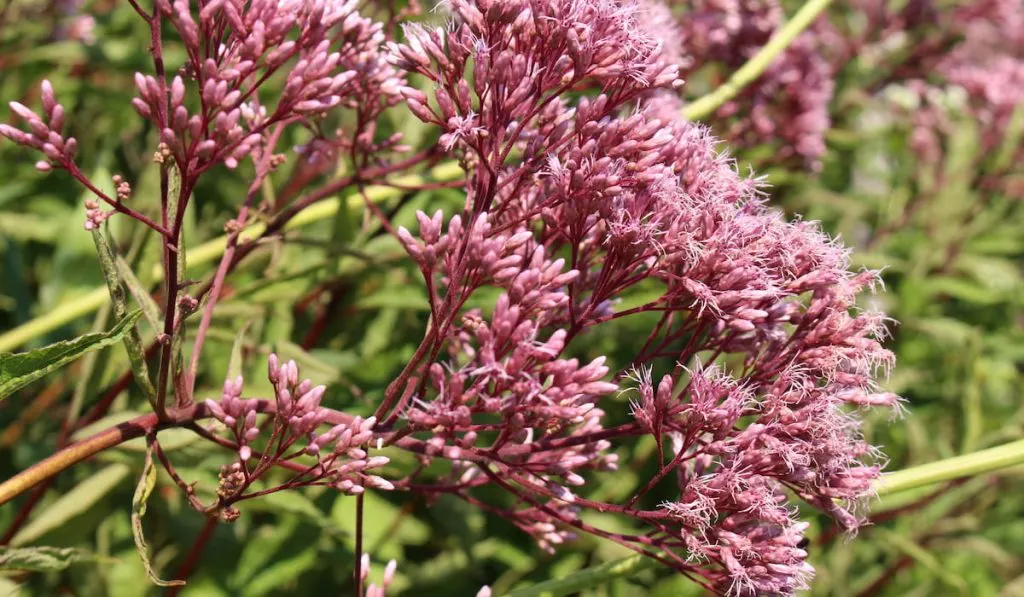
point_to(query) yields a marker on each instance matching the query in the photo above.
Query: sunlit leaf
(17, 370)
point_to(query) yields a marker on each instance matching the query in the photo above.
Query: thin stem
(142, 12)
(74, 454)
(755, 67)
(262, 169)
(187, 489)
(194, 554)
(357, 570)
(117, 205)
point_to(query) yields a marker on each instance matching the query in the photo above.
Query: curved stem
(74, 454)
(755, 67)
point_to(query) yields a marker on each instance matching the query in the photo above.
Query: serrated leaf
(76, 501)
(42, 559)
(142, 491)
(17, 370)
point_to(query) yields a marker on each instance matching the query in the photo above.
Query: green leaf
(283, 570)
(235, 362)
(294, 502)
(385, 526)
(923, 557)
(594, 576)
(262, 547)
(139, 293)
(410, 297)
(17, 370)
(73, 503)
(42, 559)
(145, 487)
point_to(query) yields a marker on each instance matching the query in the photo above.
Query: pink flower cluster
(584, 188)
(977, 77)
(769, 357)
(46, 131)
(327, 50)
(211, 112)
(989, 65)
(341, 454)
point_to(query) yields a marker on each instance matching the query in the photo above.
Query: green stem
(965, 465)
(212, 250)
(753, 68)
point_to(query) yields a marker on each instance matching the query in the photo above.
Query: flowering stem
(117, 205)
(263, 169)
(755, 67)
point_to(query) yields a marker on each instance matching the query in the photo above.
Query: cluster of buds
(372, 589)
(211, 111)
(95, 215)
(341, 453)
(46, 133)
(323, 47)
(375, 590)
(122, 188)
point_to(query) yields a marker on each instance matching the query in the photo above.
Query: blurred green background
(344, 304)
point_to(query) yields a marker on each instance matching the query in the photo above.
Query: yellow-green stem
(755, 67)
(965, 465)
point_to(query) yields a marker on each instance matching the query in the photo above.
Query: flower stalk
(706, 105)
